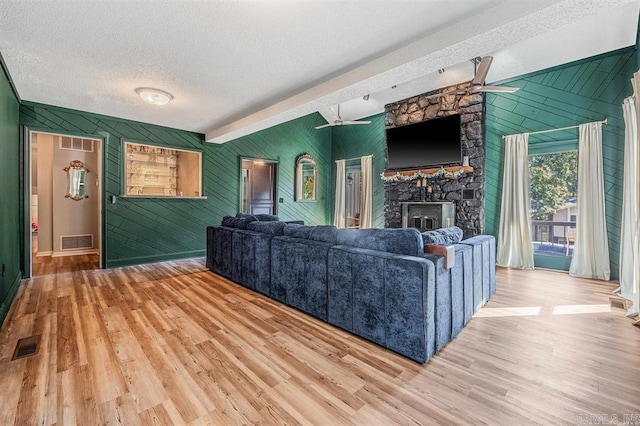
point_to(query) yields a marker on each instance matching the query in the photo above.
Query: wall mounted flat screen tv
(429, 143)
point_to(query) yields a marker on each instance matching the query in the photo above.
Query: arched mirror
(76, 173)
(306, 178)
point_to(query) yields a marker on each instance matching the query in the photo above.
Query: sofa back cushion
(405, 241)
(443, 236)
(270, 227)
(324, 233)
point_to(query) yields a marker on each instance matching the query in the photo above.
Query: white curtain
(367, 192)
(338, 216)
(629, 260)
(515, 249)
(591, 250)
(635, 309)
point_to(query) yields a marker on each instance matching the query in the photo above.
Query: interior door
(259, 181)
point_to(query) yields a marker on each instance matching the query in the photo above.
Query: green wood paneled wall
(357, 141)
(9, 196)
(146, 230)
(575, 93)
(284, 143)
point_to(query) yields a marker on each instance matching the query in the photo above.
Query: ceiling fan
(340, 122)
(477, 84)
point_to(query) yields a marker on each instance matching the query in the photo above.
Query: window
(553, 182)
(153, 171)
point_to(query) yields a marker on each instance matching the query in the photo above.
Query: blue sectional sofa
(375, 283)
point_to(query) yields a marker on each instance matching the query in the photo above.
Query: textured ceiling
(238, 67)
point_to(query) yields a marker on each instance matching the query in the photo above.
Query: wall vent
(76, 242)
(76, 144)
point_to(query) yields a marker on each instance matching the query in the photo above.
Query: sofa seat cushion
(443, 236)
(269, 227)
(254, 262)
(463, 274)
(404, 241)
(484, 267)
(384, 297)
(299, 274)
(322, 233)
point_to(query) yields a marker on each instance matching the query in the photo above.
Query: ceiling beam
(493, 29)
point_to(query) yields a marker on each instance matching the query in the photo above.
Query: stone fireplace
(427, 216)
(465, 192)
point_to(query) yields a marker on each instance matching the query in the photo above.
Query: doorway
(258, 186)
(353, 196)
(64, 203)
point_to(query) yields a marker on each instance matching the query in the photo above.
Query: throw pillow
(271, 227)
(443, 236)
(227, 221)
(267, 217)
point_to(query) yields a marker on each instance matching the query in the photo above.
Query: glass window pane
(553, 183)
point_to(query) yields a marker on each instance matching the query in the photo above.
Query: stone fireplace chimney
(466, 192)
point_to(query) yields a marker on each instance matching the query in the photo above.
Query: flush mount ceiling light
(154, 96)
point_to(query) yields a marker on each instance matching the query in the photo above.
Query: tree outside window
(552, 183)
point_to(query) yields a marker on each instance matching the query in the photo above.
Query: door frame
(26, 149)
(275, 161)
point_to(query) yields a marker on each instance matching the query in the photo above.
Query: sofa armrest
(449, 253)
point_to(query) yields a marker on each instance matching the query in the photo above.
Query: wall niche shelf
(152, 171)
(447, 172)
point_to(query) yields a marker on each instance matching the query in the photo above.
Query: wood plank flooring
(47, 265)
(172, 343)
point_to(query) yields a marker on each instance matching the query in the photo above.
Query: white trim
(44, 253)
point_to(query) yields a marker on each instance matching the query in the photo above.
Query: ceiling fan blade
(324, 125)
(499, 89)
(452, 92)
(356, 122)
(482, 71)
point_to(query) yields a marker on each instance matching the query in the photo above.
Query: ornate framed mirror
(306, 178)
(76, 173)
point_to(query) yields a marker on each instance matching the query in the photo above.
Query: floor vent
(619, 303)
(76, 242)
(25, 347)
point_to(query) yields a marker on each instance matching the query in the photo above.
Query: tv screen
(429, 143)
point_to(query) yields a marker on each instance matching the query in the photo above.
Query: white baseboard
(74, 252)
(44, 253)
